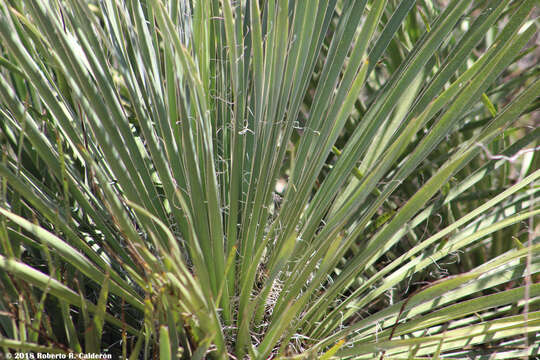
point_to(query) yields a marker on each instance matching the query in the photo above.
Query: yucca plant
(315, 179)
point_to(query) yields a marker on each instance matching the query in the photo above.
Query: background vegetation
(261, 179)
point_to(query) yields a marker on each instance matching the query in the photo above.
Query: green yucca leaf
(27, 346)
(269, 179)
(57, 289)
(164, 343)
